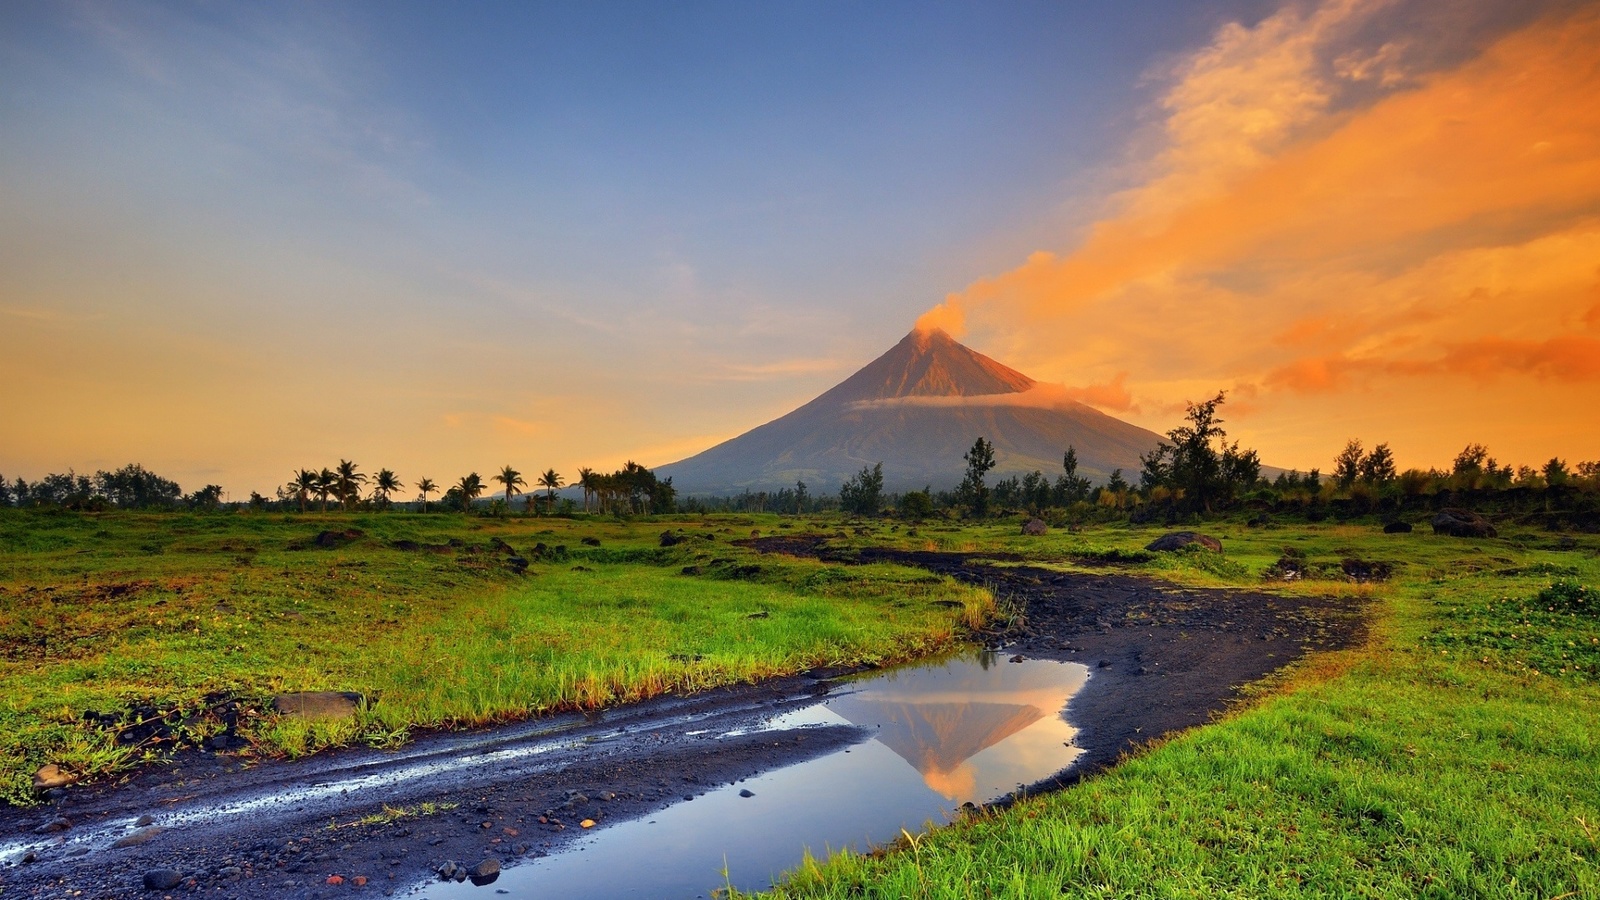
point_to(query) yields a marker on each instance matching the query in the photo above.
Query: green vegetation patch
(427, 616)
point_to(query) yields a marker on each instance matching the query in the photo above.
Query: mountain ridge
(917, 408)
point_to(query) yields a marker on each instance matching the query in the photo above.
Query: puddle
(970, 729)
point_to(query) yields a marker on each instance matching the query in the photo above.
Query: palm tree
(426, 486)
(471, 488)
(586, 481)
(348, 487)
(304, 483)
(550, 481)
(326, 482)
(383, 484)
(512, 479)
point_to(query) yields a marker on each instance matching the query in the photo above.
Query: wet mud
(375, 823)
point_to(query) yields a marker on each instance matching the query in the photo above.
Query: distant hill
(917, 409)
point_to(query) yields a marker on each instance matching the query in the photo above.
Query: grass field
(107, 612)
(1457, 755)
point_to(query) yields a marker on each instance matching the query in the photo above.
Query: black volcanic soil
(1162, 658)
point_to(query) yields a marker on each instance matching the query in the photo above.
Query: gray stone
(54, 825)
(142, 836)
(318, 704)
(1177, 540)
(162, 879)
(1034, 527)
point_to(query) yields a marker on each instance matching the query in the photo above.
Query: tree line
(632, 489)
(130, 487)
(1196, 471)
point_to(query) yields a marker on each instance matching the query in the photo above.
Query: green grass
(99, 612)
(1457, 755)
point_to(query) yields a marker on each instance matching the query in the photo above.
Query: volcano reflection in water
(969, 729)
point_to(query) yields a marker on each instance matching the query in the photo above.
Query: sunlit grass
(98, 612)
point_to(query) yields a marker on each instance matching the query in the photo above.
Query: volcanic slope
(917, 409)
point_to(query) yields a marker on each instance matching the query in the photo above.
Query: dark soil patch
(1163, 658)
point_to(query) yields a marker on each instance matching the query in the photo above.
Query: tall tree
(470, 488)
(801, 495)
(973, 491)
(426, 486)
(384, 484)
(305, 483)
(1377, 467)
(1073, 487)
(348, 483)
(550, 481)
(327, 483)
(1347, 465)
(1198, 460)
(586, 480)
(512, 479)
(862, 494)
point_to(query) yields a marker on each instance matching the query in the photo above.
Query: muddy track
(1162, 659)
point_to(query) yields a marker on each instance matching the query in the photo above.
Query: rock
(162, 879)
(142, 836)
(1034, 527)
(52, 776)
(671, 539)
(746, 792)
(1177, 540)
(1462, 523)
(587, 823)
(691, 570)
(328, 540)
(229, 872)
(591, 541)
(54, 825)
(1397, 528)
(447, 869)
(517, 564)
(318, 704)
(144, 820)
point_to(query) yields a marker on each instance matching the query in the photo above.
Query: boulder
(1397, 528)
(1462, 523)
(318, 704)
(328, 540)
(671, 539)
(1178, 540)
(486, 871)
(52, 776)
(1034, 527)
(162, 879)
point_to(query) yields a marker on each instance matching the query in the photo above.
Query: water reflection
(967, 729)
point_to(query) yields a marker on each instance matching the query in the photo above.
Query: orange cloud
(1326, 219)
(1568, 358)
(1113, 395)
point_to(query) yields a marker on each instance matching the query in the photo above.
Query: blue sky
(558, 234)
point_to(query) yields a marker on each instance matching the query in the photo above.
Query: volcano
(917, 409)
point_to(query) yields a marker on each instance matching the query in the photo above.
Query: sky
(241, 239)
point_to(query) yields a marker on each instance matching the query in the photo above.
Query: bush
(1570, 596)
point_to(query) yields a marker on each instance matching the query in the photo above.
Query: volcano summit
(917, 409)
